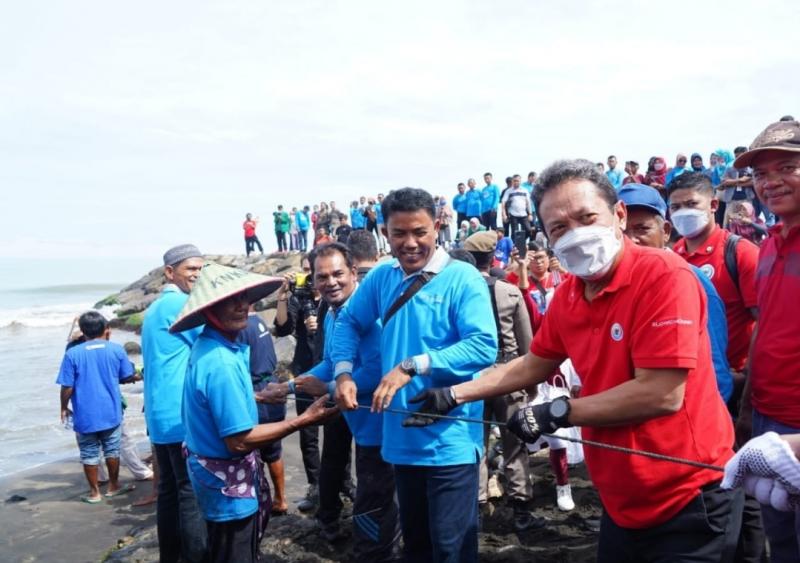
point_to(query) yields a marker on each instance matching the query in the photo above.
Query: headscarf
(746, 231)
(654, 176)
(694, 156)
(678, 169)
(724, 161)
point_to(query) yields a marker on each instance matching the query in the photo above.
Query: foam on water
(33, 333)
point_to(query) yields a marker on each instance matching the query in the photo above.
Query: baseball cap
(779, 136)
(639, 195)
(484, 241)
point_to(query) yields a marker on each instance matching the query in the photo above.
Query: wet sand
(51, 524)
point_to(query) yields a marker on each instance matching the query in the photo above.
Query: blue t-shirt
(357, 219)
(615, 177)
(503, 250)
(446, 320)
(301, 220)
(378, 214)
(527, 186)
(165, 356)
(460, 203)
(474, 205)
(718, 335)
(93, 370)
(218, 401)
(367, 427)
(262, 351)
(490, 198)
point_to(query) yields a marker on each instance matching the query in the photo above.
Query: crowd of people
(649, 313)
(474, 208)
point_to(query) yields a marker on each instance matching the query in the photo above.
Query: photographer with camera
(296, 315)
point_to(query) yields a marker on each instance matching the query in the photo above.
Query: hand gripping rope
(621, 449)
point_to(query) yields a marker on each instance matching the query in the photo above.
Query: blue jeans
(89, 444)
(783, 528)
(438, 512)
(182, 534)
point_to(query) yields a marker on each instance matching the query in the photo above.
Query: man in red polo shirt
(771, 400)
(692, 206)
(632, 320)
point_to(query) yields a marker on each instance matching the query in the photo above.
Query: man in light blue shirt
(530, 184)
(302, 221)
(614, 176)
(181, 529)
(220, 414)
(357, 218)
(490, 199)
(460, 203)
(335, 272)
(89, 376)
(438, 337)
(474, 202)
(379, 220)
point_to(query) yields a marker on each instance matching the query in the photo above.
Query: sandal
(121, 491)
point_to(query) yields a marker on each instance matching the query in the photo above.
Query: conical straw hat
(216, 283)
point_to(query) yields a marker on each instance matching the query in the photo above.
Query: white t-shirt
(517, 202)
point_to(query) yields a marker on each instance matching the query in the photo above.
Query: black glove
(528, 423)
(436, 400)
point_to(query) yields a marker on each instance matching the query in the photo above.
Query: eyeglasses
(682, 160)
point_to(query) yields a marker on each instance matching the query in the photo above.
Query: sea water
(34, 326)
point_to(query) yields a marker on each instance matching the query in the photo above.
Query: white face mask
(689, 222)
(588, 252)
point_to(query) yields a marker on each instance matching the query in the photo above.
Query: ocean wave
(65, 289)
(46, 315)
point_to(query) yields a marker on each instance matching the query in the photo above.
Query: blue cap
(639, 195)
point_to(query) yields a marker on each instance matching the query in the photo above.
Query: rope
(620, 449)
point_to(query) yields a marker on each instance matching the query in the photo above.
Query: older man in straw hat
(219, 412)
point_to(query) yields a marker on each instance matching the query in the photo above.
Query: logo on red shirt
(708, 271)
(616, 332)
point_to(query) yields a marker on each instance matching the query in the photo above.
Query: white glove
(767, 469)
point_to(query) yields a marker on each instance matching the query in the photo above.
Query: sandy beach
(51, 524)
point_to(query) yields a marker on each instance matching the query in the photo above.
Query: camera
(302, 290)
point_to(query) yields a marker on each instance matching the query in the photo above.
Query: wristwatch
(559, 411)
(409, 367)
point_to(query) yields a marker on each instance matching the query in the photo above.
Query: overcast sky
(128, 127)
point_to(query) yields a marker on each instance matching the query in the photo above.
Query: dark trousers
(375, 513)
(489, 219)
(281, 241)
(438, 512)
(706, 530)
(460, 217)
(783, 528)
(302, 238)
(309, 441)
(719, 214)
(235, 541)
(181, 528)
(334, 471)
(519, 224)
(250, 244)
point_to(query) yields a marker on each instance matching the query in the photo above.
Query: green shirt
(281, 221)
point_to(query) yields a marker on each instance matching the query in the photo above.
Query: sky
(127, 128)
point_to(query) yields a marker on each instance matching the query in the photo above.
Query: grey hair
(576, 169)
